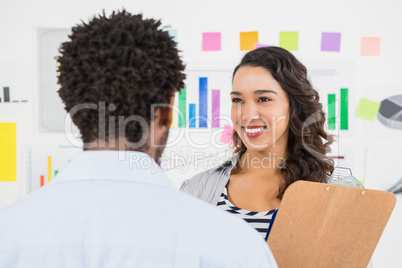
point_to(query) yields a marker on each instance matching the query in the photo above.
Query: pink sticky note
(211, 41)
(370, 46)
(227, 134)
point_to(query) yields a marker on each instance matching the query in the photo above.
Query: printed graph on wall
(204, 102)
(46, 160)
(387, 119)
(202, 109)
(335, 83)
(390, 113)
(15, 89)
(14, 85)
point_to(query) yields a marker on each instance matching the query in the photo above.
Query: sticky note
(173, 33)
(211, 41)
(331, 42)
(226, 136)
(8, 151)
(370, 46)
(248, 40)
(260, 45)
(367, 109)
(57, 68)
(289, 40)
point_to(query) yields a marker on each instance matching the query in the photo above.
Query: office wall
(373, 150)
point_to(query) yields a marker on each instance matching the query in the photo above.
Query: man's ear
(166, 114)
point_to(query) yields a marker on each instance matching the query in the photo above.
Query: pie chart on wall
(390, 113)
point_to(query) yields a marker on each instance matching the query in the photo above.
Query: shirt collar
(113, 165)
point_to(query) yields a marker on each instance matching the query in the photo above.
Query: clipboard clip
(343, 176)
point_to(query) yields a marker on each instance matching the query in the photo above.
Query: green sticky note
(368, 109)
(289, 40)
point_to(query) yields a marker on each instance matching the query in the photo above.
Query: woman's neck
(256, 185)
(267, 163)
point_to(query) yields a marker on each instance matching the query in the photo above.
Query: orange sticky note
(248, 40)
(370, 46)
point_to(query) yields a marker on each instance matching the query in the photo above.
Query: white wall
(375, 77)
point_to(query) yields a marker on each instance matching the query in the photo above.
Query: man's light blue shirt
(118, 209)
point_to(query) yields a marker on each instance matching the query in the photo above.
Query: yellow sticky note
(57, 68)
(289, 40)
(248, 40)
(8, 151)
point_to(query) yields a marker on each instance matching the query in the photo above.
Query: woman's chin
(257, 147)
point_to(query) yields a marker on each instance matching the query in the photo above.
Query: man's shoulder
(195, 226)
(219, 233)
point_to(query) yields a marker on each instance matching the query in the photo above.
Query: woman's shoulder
(209, 180)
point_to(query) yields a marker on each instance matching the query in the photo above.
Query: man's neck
(118, 145)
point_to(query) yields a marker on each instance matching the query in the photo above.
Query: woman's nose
(249, 113)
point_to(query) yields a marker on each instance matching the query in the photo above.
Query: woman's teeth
(253, 130)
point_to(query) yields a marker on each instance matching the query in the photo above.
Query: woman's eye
(264, 99)
(236, 100)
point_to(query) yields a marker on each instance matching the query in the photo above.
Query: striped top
(258, 220)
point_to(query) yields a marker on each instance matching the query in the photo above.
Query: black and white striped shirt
(258, 220)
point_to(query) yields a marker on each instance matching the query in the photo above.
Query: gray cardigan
(209, 185)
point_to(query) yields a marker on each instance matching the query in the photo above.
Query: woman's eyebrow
(259, 92)
(236, 93)
(263, 91)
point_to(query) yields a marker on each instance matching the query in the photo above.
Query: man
(112, 206)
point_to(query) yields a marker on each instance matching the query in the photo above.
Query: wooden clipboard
(325, 225)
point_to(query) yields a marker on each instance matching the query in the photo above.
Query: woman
(279, 132)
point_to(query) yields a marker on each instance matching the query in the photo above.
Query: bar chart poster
(46, 160)
(390, 113)
(15, 89)
(335, 83)
(205, 100)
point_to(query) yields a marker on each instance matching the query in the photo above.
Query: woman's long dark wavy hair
(306, 150)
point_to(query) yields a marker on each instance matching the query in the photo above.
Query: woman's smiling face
(260, 109)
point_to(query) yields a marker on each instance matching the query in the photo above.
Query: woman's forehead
(249, 79)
